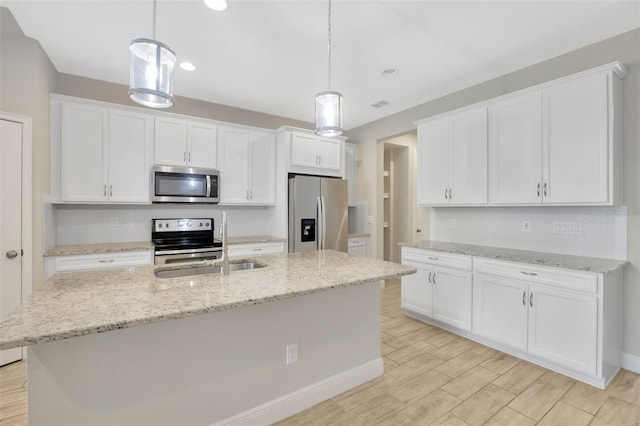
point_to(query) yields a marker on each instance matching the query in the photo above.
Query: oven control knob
(167, 225)
(200, 224)
(159, 225)
(189, 223)
(207, 225)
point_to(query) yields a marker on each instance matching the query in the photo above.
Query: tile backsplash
(84, 224)
(580, 231)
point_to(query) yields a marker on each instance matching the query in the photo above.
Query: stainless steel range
(184, 240)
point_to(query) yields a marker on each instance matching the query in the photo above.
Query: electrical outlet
(526, 226)
(452, 223)
(292, 353)
(114, 221)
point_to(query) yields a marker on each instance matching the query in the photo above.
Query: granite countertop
(73, 304)
(65, 250)
(358, 234)
(580, 263)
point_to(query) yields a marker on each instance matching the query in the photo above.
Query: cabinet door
(452, 297)
(170, 141)
(433, 162)
(303, 150)
(575, 141)
(563, 327)
(416, 290)
(330, 153)
(262, 169)
(351, 172)
(202, 145)
(516, 150)
(83, 150)
(234, 147)
(468, 157)
(130, 144)
(500, 310)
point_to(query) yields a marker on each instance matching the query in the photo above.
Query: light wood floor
(435, 377)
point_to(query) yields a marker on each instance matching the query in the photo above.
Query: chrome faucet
(225, 252)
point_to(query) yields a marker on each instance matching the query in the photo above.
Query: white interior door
(10, 225)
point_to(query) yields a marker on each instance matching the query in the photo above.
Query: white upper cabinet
(105, 154)
(316, 155)
(515, 146)
(452, 159)
(559, 143)
(575, 141)
(83, 145)
(247, 167)
(351, 172)
(185, 143)
(130, 153)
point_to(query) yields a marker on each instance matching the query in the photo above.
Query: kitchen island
(124, 347)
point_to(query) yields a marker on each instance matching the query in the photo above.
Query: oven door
(167, 258)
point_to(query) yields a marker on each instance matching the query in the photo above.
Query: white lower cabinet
(438, 292)
(358, 246)
(247, 250)
(86, 262)
(563, 319)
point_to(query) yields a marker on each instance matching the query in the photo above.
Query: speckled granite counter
(65, 250)
(358, 234)
(254, 239)
(78, 303)
(580, 263)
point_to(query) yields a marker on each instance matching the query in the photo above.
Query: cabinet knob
(12, 254)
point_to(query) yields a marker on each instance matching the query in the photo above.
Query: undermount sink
(200, 269)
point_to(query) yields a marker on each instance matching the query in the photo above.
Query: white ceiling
(271, 56)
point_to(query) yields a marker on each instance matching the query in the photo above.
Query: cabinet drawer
(356, 242)
(437, 258)
(257, 249)
(565, 278)
(84, 262)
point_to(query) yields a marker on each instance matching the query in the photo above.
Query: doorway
(397, 195)
(15, 218)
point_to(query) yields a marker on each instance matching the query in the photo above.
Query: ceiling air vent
(380, 103)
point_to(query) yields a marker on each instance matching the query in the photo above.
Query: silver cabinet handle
(445, 194)
(532, 274)
(434, 278)
(524, 298)
(106, 261)
(184, 156)
(104, 191)
(450, 197)
(11, 254)
(250, 194)
(430, 277)
(432, 258)
(189, 156)
(531, 299)
(545, 189)
(538, 190)
(256, 249)
(110, 190)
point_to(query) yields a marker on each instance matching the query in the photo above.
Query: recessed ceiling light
(187, 66)
(218, 5)
(390, 72)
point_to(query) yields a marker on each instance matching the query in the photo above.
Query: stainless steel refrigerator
(317, 213)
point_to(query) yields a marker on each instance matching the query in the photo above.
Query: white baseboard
(301, 399)
(631, 362)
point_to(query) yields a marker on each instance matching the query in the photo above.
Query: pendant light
(329, 103)
(151, 72)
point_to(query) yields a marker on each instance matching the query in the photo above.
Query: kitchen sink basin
(203, 269)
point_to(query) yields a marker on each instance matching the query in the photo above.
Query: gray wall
(26, 78)
(625, 48)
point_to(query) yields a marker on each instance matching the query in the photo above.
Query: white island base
(217, 368)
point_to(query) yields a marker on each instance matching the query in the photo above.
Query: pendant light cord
(154, 19)
(328, 48)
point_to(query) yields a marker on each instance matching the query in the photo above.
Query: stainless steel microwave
(173, 184)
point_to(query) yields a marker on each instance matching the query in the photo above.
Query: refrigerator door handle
(319, 225)
(324, 224)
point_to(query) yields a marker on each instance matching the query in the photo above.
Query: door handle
(11, 254)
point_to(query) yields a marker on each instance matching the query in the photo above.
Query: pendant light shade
(329, 114)
(151, 71)
(329, 103)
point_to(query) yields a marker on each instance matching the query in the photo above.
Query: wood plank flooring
(433, 377)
